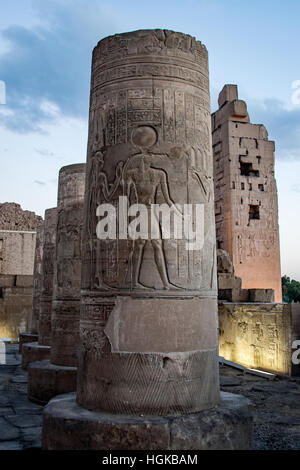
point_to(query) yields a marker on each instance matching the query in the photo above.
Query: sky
(45, 58)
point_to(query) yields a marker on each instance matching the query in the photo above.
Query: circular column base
(46, 380)
(67, 426)
(27, 338)
(32, 352)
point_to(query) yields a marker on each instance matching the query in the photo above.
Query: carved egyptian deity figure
(106, 191)
(145, 181)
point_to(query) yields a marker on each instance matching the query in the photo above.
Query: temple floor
(275, 405)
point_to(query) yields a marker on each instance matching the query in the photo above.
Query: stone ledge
(46, 380)
(66, 426)
(32, 352)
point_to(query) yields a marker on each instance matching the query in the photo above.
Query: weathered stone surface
(32, 352)
(259, 336)
(17, 245)
(229, 381)
(17, 253)
(261, 295)
(27, 338)
(15, 309)
(37, 279)
(66, 296)
(13, 217)
(48, 267)
(149, 140)
(8, 432)
(246, 206)
(68, 426)
(46, 380)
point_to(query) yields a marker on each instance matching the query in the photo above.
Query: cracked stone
(29, 422)
(8, 432)
(11, 445)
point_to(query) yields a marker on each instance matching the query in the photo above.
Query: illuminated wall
(259, 336)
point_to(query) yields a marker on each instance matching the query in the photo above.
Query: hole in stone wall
(248, 170)
(166, 361)
(242, 185)
(261, 187)
(254, 212)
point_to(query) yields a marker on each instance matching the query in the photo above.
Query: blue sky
(45, 54)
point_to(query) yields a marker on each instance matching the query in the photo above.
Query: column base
(46, 380)
(32, 352)
(67, 426)
(27, 338)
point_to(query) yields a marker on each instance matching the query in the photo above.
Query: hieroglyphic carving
(163, 79)
(94, 339)
(179, 115)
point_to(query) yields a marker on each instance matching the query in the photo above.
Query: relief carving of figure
(145, 181)
(101, 190)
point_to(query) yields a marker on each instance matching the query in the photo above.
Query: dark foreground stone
(32, 352)
(68, 426)
(46, 380)
(27, 338)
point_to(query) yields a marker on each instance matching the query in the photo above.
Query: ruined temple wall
(246, 195)
(295, 336)
(259, 336)
(15, 309)
(17, 252)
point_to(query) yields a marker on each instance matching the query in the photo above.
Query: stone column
(48, 378)
(37, 279)
(32, 352)
(148, 326)
(37, 285)
(47, 277)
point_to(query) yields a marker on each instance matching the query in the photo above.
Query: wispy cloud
(295, 188)
(47, 68)
(282, 123)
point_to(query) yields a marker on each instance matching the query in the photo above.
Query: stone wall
(246, 206)
(15, 305)
(17, 247)
(13, 217)
(259, 336)
(17, 252)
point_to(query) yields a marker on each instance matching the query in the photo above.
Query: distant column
(48, 267)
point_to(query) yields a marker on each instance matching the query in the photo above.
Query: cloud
(295, 188)
(47, 68)
(44, 152)
(41, 183)
(282, 124)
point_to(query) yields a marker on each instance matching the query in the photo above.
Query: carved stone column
(37, 278)
(41, 350)
(49, 378)
(149, 308)
(148, 326)
(47, 277)
(37, 285)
